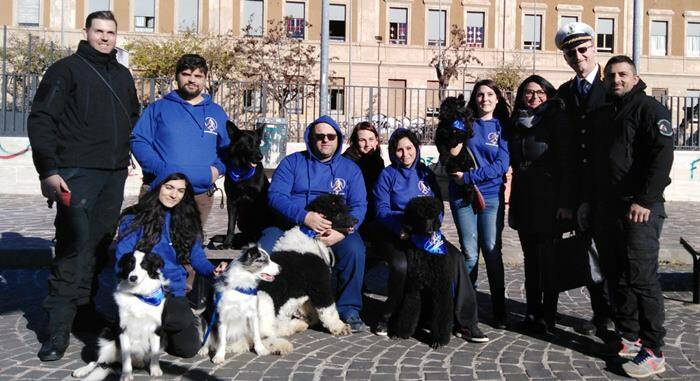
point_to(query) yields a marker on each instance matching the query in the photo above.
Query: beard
(187, 94)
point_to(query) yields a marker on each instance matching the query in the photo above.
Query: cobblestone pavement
(510, 355)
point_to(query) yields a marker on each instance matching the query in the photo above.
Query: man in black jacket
(583, 95)
(79, 128)
(632, 161)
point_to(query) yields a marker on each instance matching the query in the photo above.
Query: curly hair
(185, 221)
(502, 111)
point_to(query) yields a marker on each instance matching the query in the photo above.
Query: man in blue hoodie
(187, 130)
(298, 180)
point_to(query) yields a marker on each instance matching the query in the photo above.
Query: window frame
(405, 7)
(667, 47)
(176, 15)
(345, 24)
(483, 22)
(154, 29)
(429, 9)
(243, 22)
(40, 17)
(286, 16)
(610, 49)
(690, 18)
(87, 7)
(539, 46)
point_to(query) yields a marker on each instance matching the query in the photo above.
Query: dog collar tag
(309, 232)
(433, 244)
(247, 291)
(154, 299)
(241, 174)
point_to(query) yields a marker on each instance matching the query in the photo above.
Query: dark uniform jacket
(580, 111)
(75, 120)
(542, 163)
(634, 149)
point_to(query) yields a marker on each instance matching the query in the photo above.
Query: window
(605, 35)
(659, 38)
(28, 12)
(144, 16)
(337, 90)
(97, 5)
(532, 32)
(563, 20)
(398, 26)
(251, 100)
(396, 98)
(659, 93)
(253, 17)
(294, 19)
(692, 39)
(188, 12)
(432, 99)
(436, 27)
(295, 103)
(336, 23)
(475, 29)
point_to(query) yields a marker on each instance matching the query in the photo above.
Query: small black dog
(246, 188)
(455, 127)
(429, 274)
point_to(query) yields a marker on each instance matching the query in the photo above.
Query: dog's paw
(341, 330)
(127, 377)
(204, 351)
(262, 351)
(218, 359)
(438, 342)
(84, 371)
(156, 371)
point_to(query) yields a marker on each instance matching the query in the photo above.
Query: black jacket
(580, 111)
(75, 120)
(634, 149)
(542, 164)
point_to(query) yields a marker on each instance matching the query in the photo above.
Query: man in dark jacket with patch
(79, 127)
(632, 161)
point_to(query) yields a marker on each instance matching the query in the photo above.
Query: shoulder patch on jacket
(665, 127)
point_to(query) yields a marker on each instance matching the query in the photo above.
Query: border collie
(237, 318)
(140, 299)
(303, 294)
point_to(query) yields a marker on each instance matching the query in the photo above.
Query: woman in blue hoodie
(481, 230)
(166, 221)
(398, 183)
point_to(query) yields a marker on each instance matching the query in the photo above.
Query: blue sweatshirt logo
(492, 139)
(338, 185)
(210, 125)
(424, 188)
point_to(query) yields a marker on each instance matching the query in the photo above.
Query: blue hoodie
(301, 177)
(173, 133)
(397, 185)
(491, 152)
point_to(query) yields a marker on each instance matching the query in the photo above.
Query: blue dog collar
(154, 299)
(459, 125)
(309, 232)
(247, 291)
(241, 174)
(433, 244)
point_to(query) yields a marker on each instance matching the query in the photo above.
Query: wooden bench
(218, 255)
(693, 251)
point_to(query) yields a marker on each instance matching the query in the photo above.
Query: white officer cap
(573, 34)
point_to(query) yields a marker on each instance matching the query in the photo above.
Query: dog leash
(212, 191)
(217, 298)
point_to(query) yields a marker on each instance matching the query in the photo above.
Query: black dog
(246, 188)
(429, 275)
(455, 127)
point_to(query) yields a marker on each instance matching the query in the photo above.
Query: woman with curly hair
(166, 222)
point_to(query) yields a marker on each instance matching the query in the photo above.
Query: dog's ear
(249, 256)
(152, 262)
(232, 129)
(126, 264)
(460, 98)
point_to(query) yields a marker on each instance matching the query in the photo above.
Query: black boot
(54, 348)
(498, 300)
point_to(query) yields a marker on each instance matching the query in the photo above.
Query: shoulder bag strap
(111, 90)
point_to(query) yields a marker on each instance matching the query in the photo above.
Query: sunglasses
(581, 49)
(330, 137)
(539, 93)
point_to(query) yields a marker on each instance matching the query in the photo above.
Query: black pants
(600, 298)
(630, 260)
(84, 231)
(181, 332)
(387, 245)
(541, 304)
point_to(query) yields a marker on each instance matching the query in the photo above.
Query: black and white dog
(429, 277)
(245, 185)
(303, 294)
(140, 299)
(237, 316)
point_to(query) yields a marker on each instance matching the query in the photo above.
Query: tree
(30, 54)
(508, 75)
(279, 64)
(455, 57)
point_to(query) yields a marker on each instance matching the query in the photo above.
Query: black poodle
(334, 209)
(429, 277)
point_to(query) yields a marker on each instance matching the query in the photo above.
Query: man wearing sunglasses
(583, 95)
(298, 180)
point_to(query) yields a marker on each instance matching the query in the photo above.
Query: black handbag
(569, 262)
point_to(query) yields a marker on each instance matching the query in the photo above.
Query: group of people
(595, 155)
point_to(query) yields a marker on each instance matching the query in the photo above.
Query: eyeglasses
(581, 49)
(330, 137)
(539, 93)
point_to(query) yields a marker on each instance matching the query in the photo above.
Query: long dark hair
(399, 134)
(149, 214)
(543, 83)
(502, 111)
(353, 152)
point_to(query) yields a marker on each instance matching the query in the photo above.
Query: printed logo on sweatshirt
(210, 125)
(492, 139)
(423, 188)
(338, 186)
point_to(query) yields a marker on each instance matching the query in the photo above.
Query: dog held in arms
(303, 294)
(237, 316)
(140, 299)
(429, 275)
(245, 185)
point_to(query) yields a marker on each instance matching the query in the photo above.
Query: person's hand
(214, 174)
(458, 177)
(52, 186)
(317, 222)
(454, 151)
(583, 216)
(638, 213)
(330, 237)
(220, 269)
(564, 214)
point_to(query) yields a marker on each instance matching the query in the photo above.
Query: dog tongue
(267, 277)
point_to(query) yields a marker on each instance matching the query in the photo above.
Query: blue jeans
(348, 272)
(481, 231)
